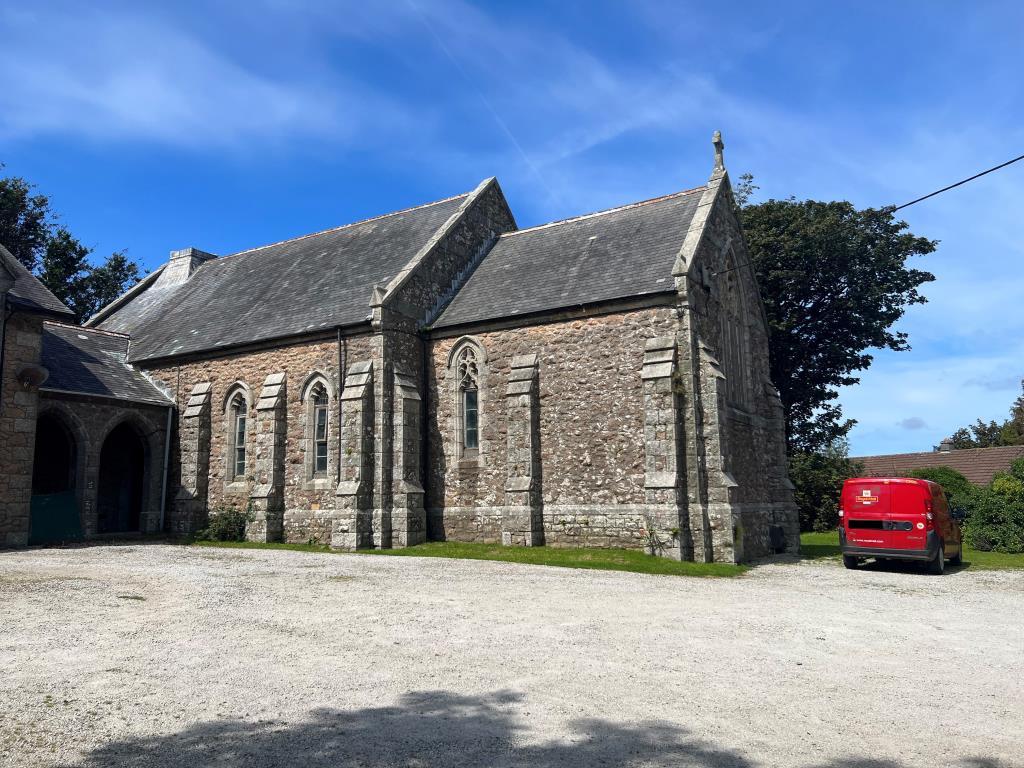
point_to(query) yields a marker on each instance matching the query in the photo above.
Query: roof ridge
(938, 453)
(99, 331)
(603, 212)
(337, 229)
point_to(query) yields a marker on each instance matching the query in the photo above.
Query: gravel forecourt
(166, 655)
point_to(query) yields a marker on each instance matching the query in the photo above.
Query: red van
(898, 518)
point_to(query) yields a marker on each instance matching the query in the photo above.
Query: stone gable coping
(402, 277)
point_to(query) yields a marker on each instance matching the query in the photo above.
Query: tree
(25, 220)
(834, 281)
(28, 229)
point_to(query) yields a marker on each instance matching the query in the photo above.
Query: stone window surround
(311, 481)
(232, 484)
(473, 458)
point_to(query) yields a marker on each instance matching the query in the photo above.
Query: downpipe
(167, 463)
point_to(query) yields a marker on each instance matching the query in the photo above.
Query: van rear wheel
(850, 561)
(937, 566)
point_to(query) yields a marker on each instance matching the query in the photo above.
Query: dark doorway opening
(53, 512)
(122, 471)
(53, 466)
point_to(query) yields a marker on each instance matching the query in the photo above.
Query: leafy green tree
(834, 280)
(25, 220)
(28, 229)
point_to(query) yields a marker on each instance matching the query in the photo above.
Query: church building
(436, 373)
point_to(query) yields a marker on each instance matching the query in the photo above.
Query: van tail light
(929, 514)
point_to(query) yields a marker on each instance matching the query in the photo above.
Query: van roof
(889, 480)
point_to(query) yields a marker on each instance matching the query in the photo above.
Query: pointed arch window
(238, 418)
(468, 369)
(320, 414)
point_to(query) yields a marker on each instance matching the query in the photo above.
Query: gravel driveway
(161, 655)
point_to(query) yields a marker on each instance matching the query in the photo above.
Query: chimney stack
(181, 267)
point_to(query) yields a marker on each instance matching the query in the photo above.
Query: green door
(54, 517)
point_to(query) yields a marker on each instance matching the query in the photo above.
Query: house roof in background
(978, 465)
(85, 361)
(27, 293)
(620, 253)
(303, 285)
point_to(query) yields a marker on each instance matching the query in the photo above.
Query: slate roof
(90, 362)
(979, 465)
(28, 293)
(297, 286)
(620, 253)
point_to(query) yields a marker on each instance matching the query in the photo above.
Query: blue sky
(224, 126)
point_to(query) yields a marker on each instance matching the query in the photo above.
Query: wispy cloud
(123, 75)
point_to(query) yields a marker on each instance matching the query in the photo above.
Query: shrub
(818, 480)
(996, 522)
(952, 482)
(226, 524)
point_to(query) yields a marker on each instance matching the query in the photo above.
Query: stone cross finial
(716, 139)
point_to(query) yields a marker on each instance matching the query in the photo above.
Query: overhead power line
(917, 200)
(964, 181)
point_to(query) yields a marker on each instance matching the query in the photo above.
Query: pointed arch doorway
(122, 475)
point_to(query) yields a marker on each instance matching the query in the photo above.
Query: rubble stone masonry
(18, 411)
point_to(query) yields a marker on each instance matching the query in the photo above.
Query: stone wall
(591, 431)
(734, 424)
(309, 505)
(88, 422)
(18, 411)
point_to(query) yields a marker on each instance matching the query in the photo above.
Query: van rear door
(910, 503)
(866, 506)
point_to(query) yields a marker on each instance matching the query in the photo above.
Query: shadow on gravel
(430, 729)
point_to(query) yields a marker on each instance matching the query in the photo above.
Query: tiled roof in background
(979, 465)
